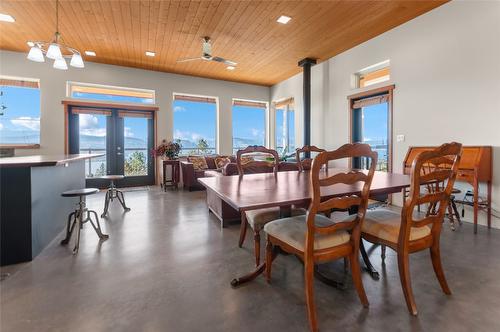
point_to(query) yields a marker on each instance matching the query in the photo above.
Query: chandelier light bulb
(36, 54)
(60, 64)
(54, 52)
(76, 61)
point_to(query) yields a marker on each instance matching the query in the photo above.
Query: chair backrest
(256, 149)
(436, 170)
(320, 179)
(304, 149)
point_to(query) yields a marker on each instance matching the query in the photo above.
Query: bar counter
(33, 212)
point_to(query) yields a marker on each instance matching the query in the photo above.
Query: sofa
(190, 175)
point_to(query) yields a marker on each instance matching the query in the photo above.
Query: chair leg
(269, 260)
(256, 240)
(455, 210)
(97, 226)
(450, 216)
(404, 276)
(121, 199)
(356, 278)
(243, 229)
(79, 224)
(69, 228)
(438, 268)
(106, 204)
(309, 287)
(383, 250)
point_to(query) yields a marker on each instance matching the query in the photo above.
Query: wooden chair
(258, 218)
(315, 238)
(412, 231)
(305, 149)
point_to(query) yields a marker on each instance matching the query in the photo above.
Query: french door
(124, 137)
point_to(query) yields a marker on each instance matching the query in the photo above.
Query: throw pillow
(199, 162)
(221, 161)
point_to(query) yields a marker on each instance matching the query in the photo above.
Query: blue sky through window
(249, 126)
(375, 131)
(20, 122)
(285, 138)
(194, 121)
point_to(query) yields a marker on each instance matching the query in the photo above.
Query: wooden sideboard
(476, 165)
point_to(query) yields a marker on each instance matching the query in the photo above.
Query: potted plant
(168, 149)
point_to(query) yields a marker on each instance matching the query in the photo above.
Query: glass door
(125, 138)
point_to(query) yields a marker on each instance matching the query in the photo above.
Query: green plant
(170, 149)
(202, 146)
(135, 164)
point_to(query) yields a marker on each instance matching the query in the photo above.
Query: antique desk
(476, 165)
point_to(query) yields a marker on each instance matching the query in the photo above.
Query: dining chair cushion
(292, 231)
(258, 218)
(385, 224)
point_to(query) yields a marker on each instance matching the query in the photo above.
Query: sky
(375, 123)
(20, 122)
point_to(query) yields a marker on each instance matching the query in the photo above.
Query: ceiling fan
(207, 54)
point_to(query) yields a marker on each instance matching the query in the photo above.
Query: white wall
(446, 68)
(53, 90)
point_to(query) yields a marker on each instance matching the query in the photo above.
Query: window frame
(217, 115)
(267, 141)
(25, 145)
(289, 102)
(373, 70)
(71, 84)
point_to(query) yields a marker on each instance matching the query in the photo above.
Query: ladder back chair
(412, 231)
(305, 149)
(315, 238)
(256, 219)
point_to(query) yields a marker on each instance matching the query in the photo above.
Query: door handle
(119, 153)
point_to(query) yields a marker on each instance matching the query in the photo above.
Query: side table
(175, 175)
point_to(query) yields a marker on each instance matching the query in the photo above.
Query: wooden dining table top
(256, 191)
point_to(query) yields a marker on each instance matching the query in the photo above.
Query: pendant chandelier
(56, 50)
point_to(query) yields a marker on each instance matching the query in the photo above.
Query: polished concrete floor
(167, 267)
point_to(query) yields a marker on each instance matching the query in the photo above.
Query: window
(19, 111)
(285, 127)
(374, 74)
(195, 123)
(249, 123)
(110, 93)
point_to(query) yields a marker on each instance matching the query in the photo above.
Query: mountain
(99, 142)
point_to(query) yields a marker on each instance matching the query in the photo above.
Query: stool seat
(113, 177)
(80, 192)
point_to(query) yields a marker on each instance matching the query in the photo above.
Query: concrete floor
(167, 267)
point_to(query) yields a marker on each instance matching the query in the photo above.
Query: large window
(110, 93)
(195, 124)
(19, 111)
(285, 127)
(249, 124)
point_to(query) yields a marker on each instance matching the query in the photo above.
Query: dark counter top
(45, 160)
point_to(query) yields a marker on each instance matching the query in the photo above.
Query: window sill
(19, 146)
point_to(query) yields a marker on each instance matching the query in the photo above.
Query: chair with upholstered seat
(256, 219)
(315, 238)
(412, 231)
(305, 163)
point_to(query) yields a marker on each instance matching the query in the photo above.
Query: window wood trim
(124, 106)
(20, 146)
(209, 100)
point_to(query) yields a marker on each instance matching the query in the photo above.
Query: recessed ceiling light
(148, 53)
(90, 53)
(230, 67)
(30, 44)
(6, 18)
(283, 19)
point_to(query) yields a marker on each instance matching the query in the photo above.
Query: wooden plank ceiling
(243, 31)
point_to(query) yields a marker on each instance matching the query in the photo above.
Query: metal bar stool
(113, 193)
(80, 216)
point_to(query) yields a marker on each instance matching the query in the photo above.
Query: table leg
(249, 277)
(476, 204)
(489, 203)
(368, 265)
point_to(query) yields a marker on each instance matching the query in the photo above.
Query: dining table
(293, 188)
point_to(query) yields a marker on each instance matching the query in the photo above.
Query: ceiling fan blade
(222, 60)
(188, 59)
